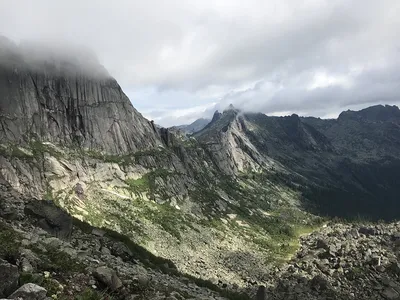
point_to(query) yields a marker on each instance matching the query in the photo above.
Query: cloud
(320, 93)
(281, 55)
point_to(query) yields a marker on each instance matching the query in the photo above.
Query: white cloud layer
(177, 58)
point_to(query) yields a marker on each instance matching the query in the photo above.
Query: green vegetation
(38, 149)
(56, 260)
(171, 220)
(138, 185)
(10, 241)
(263, 214)
(90, 294)
(31, 278)
(52, 286)
(167, 217)
(12, 150)
(29, 152)
(126, 159)
(147, 183)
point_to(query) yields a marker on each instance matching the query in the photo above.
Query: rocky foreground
(342, 261)
(46, 253)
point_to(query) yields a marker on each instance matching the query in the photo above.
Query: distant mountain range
(197, 125)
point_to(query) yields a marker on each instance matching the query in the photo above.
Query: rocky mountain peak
(67, 99)
(377, 113)
(231, 109)
(216, 116)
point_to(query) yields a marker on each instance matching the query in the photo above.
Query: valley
(210, 214)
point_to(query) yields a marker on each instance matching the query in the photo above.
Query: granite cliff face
(55, 101)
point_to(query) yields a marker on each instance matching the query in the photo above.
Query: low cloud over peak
(179, 60)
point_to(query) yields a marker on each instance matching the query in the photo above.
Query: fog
(61, 59)
(180, 60)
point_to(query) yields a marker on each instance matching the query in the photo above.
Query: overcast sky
(179, 60)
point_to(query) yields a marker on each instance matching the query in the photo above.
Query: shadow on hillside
(164, 265)
(350, 190)
(57, 222)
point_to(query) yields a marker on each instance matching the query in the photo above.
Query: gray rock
(105, 251)
(390, 294)
(51, 218)
(29, 291)
(121, 250)
(26, 266)
(395, 268)
(322, 244)
(69, 105)
(261, 293)
(28, 255)
(319, 282)
(98, 232)
(367, 231)
(8, 278)
(354, 233)
(52, 242)
(108, 277)
(142, 280)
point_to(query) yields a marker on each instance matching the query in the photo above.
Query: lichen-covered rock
(29, 291)
(108, 277)
(8, 278)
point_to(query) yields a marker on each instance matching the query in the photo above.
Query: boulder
(322, 244)
(395, 268)
(261, 293)
(28, 256)
(121, 250)
(108, 278)
(8, 278)
(50, 218)
(319, 282)
(142, 280)
(367, 231)
(98, 232)
(390, 294)
(29, 291)
(26, 266)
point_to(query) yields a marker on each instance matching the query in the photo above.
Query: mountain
(343, 167)
(210, 215)
(59, 102)
(197, 125)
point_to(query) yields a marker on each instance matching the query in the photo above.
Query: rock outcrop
(29, 291)
(342, 261)
(69, 106)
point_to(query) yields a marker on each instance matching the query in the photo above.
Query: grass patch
(128, 158)
(15, 151)
(138, 185)
(39, 149)
(90, 294)
(147, 183)
(54, 260)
